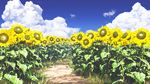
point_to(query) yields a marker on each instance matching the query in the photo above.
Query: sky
(82, 14)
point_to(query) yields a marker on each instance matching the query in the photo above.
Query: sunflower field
(123, 57)
(23, 51)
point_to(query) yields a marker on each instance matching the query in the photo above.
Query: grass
(94, 80)
(3, 82)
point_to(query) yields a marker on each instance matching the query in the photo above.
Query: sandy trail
(62, 74)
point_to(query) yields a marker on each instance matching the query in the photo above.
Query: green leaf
(13, 79)
(91, 66)
(87, 57)
(37, 63)
(1, 75)
(104, 54)
(23, 52)
(30, 66)
(1, 58)
(148, 72)
(139, 77)
(12, 53)
(96, 58)
(129, 58)
(145, 62)
(46, 56)
(101, 67)
(114, 66)
(23, 67)
(147, 54)
(33, 78)
(118, 81)
(148, 77)
(125, 52)
(12, 64)
(131, 65)
(84, 66)
(37, 57)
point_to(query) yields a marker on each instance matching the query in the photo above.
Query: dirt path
(62, 74)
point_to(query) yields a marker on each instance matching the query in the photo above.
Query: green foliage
(139, 77)
(13, 79)
(20, 62)
(124, 64)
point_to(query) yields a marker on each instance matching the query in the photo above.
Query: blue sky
(89, 13)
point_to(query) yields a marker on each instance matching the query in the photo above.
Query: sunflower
(86, 42)
(6, 38)
(104, 34)
(141, 37)
(73, 38)
(37, 37)
(92, 35)
(51, 39)
(44, 41)
(116, 37)
(126, 37)
(29, 37)
(64, 40)
(19, 31)
(57, 40)
(80, 36)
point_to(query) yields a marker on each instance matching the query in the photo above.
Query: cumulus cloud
(72, 15)
(30, 15)
(109, 13)
(136, 18)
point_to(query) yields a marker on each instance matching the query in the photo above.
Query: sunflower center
(44, 41)
(103, 32)
(36, 36)
(85, 41)
(91, 35)
(125, 35)
(115, 34)
(27, 37)
(57, 40)
(51, 39)
(4, 38)
(73, 38)
(141, 35)
(80, 37)
(18, 30)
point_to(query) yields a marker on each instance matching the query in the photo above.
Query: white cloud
(136, 18)
(30, 15)
(109, 13)
(72, 15)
